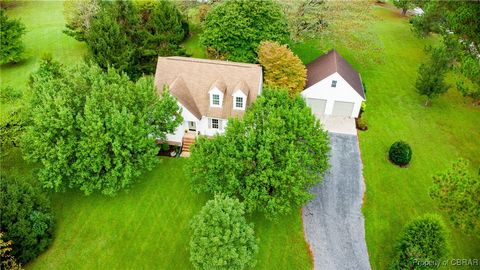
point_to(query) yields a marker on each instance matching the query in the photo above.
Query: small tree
(236, 28)
(78, 16)
(431, 75)
(94, 130)
(457, 191)
(11, 45)
(222, 238)
(25, 217)
(269, 160)
(405, 5)
(422, 240)
(306, 18)
(400, 153)
(282, 68)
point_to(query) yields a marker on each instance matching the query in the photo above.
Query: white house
(333, 87)
(208, 92)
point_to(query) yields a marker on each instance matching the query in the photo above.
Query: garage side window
(334, 83)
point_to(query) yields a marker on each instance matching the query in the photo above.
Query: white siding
(342, 92)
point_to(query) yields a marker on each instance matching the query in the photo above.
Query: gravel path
(333, 221)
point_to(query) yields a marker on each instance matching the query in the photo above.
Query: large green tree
(422, 241)
(25, 217)
(431, 74)
(11, 45)
(129, 36)
(269, 160)
(222, 238)
(233, 29)
(457, 192)
(459, 24)
(94, 130)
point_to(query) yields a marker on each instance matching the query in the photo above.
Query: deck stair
(187, 141)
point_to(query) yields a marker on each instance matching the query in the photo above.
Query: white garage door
(317, 105)
(341, 108)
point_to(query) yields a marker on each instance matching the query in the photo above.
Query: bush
(221, 237)
(25, 218)
(361, 124)
(400, 153)
(422, 240)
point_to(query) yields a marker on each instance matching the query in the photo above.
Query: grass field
(148, 228)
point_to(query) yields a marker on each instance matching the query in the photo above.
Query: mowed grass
(439, 134)
(148, 228)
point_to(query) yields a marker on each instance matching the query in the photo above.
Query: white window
(214, 123)
(216, 99)
(334, 83)
(239, 102)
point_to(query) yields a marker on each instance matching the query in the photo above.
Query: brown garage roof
(190, 79)
(330, 63)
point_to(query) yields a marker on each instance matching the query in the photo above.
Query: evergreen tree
(431, 75)
(11, 45)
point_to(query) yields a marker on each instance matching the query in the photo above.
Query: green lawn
(148, 228)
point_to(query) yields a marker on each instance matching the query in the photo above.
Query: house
(208, 92)
(333, 87)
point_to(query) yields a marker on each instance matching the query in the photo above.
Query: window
(215, 123)
(238, 102)
(215, 99)
(334, 83)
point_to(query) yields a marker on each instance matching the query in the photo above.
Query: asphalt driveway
(333, 221)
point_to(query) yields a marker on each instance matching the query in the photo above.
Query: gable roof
(330, 63)
(190, 80)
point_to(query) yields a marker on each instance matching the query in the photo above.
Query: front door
(192, 126)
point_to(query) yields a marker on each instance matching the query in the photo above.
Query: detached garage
(333, 87)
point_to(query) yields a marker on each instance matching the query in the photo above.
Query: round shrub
(25, 218)
(400, 153)
(422, 241)
(222, 238)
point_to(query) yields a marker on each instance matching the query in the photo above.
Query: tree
(305, 18)
(282, 68)
(78, 16)
(11, 128)
(269, 160)
(107, 40)
(457, 192)
(94, 130)
(458, 22)
(236, 28)
(11, 45)
(405, 5)
(431, 75)
(421, 241)
(130, 36)
(25, 217)
(222, 238)
(7, 261)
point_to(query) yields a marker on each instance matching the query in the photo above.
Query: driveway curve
(333, 220)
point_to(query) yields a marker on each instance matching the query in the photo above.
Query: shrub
(222, 238)
(25, 218)
(400, 153)
(165, 147)
(361, 124)
(422, 240)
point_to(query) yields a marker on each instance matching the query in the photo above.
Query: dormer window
(216, 100)
(239, 102)
(334, 83)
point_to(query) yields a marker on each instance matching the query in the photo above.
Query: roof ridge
(209, 61)
(335, 60)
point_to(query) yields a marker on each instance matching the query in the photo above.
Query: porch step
(187, 141)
